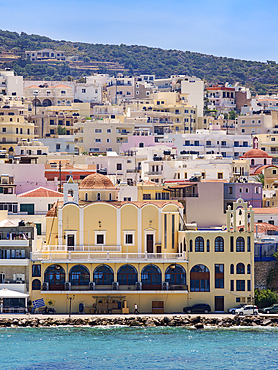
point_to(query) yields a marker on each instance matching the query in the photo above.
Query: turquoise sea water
(138, 348)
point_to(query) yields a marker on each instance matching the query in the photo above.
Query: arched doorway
(55, 276)
(127, 275)
(79, 276)
(103, 275)
(175, 275)
(151, 278)
(46, 103)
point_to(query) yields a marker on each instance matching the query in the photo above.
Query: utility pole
(60, 177)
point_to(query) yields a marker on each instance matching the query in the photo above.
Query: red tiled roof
(96, 181)
(255, 153)
(266, 210)
(259, 169)
(32, 87)
(61, 85)
(41, 192)
(263, 227)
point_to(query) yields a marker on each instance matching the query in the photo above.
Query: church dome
(255, 153)
(96, 181)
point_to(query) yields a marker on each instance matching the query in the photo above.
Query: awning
(6, 293)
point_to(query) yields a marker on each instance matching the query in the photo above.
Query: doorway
(70, 242)
(219, 303)
(149, 243)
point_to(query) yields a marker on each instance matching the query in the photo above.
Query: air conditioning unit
(92, 285)
(138, 285)
(67, 285)
(165, 285)
(115, 285)
(45, 286)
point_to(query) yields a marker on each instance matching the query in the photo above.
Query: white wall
(195, 88)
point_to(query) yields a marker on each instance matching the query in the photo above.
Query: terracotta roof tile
(255, 153)
(264, 227)
(266, 210)
(41, 192)
(96, 181)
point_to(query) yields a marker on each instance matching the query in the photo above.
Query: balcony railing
(82, 248)
(107, 256)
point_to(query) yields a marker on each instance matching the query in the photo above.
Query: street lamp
(70, 299)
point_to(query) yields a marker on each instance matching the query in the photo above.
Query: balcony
(85, 257)
(153, 173)
(14, 243)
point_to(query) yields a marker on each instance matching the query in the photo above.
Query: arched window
(199, 244)
(103, 275)
(252, 162)
(151, 278)
(232, 269)
(175, 275)
(86, 197)
(55, 276)
(248, 269)
(199, 279)
(127, 275)
(219, 244)
(240, 268)
(110, 196)
(98, 196)
(240, 244)
(36, 284)
(79, 275)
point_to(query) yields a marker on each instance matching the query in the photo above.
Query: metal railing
(82, 248)
(107, 256)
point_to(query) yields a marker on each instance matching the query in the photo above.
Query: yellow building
(14, 127)
(110, 255)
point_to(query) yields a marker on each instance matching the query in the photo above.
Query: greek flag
(38, 303)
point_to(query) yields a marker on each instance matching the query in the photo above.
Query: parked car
(233, 310)
(197, 308)
(247, 309)
(271, 309)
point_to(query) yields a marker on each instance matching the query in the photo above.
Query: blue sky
(244, 29)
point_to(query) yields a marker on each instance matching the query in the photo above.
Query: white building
(88, 92)
(10, 84)
(194, 87)
(210, 142)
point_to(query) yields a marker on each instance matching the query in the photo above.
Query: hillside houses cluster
(109, 185)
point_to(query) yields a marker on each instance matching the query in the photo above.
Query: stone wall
(261, 272)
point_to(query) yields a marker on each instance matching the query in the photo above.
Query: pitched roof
(32, 87)
(61, 85)
(267, 210)
(41, 192)
(264, 227)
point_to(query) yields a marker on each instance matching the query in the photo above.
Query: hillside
(260, 77)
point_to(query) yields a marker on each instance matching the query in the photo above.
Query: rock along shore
(199, 322)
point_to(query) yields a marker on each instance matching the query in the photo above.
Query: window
(103, 275)
(199, 244)
(98, 130)
(190, 246)
(230, 190)
(207, 245)
(58, 146)
(231, 244)
(249, 269)
(147, 197)
(232, 270)
(4, 129)
(220, 175)
(100, 239)
(249, 285)
(249, 242)
(129, 239)
(199, 279)
(110, 197)
(86, 197)
(240, 268)
(108, 131)
(240, 244)
(36, 271)
(83, 91)
(108, 140)
(98, 196)
(219, 276)
(119, 166)
(219, 244)
(232, 288)
(240, 285)
(175, 275)
(36, 284)
(98, 140)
